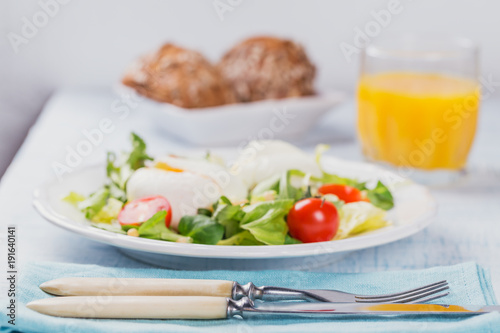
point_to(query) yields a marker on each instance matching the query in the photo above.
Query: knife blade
(210, 307)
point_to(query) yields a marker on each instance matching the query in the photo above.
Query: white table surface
(467, 227)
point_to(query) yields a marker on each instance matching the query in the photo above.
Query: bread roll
(178, 76)
(267, 67)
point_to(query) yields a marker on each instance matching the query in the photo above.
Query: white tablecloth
(467, 227)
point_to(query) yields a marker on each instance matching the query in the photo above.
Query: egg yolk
(166, 167)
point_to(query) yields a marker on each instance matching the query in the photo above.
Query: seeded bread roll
(267, 67)
(178, 76)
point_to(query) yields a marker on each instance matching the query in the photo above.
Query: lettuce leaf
(358, 217)
(278, 187)
(109, 212)
(155, 228)
(290, 240)
(120, 169)
(266, 221)
(229, 216)
(242, 238)
(201, 229)
(98, 207)
(381, 197)
(94, 203)
(269, 184)
(103, 205)
(138, 155)
(286, 190)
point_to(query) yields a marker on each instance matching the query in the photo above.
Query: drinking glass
(418, 102)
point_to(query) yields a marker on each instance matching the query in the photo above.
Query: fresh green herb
(229, 216)
(138, 155)
(243, 238)
(127, 227)
(155, 228)
(202, 229)
(266, 221)
(120, 169)
(328, 178)
(381, 197)
(104, 205)
(290, 240)
(204, 211)
(225, 200)
(94, 203)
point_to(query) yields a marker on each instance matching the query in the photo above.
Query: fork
(188, 287)
(265, 293)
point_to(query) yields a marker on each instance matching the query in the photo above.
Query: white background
(89, 42)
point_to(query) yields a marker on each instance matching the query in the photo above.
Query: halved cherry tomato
(345, 193)
(140, 210)
(313, 220)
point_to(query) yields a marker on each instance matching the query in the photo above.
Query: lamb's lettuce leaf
(229, 216)
(290, 240)
(155, 228)
(266, 221)
(381, 197)
(242, 238)
(201, 229)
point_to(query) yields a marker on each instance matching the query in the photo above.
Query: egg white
(261, 160)
(231, 186)
(198, 185)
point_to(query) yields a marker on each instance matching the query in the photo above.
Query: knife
(77, 286)
(211, 307)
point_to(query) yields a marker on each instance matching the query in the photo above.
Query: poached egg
(188, 184)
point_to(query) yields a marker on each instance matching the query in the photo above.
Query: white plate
(414, 210)
(233, 123)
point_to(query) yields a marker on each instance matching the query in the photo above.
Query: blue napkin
(470, 284)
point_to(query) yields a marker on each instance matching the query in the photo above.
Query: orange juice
(425, 121)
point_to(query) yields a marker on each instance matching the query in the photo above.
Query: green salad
(279, 196)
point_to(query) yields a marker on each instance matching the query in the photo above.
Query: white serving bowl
(239, 123)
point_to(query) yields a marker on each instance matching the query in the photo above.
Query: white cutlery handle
(137, 287)
(133, 307)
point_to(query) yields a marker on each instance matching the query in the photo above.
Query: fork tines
(421, 294)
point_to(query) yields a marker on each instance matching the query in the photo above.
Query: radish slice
(140, 210)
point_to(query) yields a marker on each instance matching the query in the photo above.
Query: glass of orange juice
(418, 101)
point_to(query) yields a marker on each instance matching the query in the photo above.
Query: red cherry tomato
(140, 210)
(313, 220)
(345, 193)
